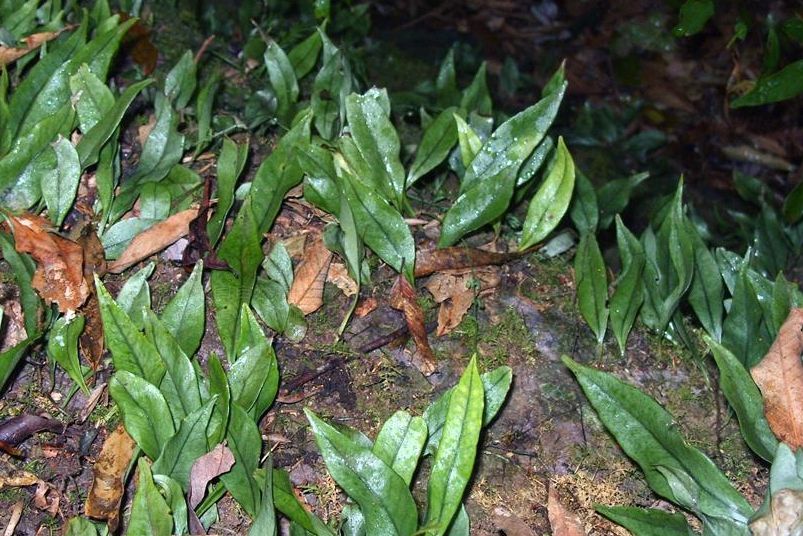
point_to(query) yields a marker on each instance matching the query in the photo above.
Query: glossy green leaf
(149, 512)
(320, 181)
(629, 293)
(446, 82)
(781, 85)
(94, 139)
(145, 413)
(245, 442)
(241, 249)
(693, 16)
(163, 148)
(614, 196)
(283, 80)
(59, 191)
(203, 112)
(254, 380)
(531, 166)
(304, 55)
(287, 503)
(461, 525)
(476, 97)
(793, 204)
(382, 495)
(218, 386)
(592, 285)
(745, 398)
(174, 497)
(230, 164)
(482, 204)
(332, 85)
(381, 226)
(187, 445)
(265, 522)
(742, 331)
(131, 351)
(513, 141)
(135, 296)
(457, 449)
(352, 522)
(438, 139)
(279, 267)
(706, 291)
(277, 174)
(495, 385)
(93, 99)
(181, 81)
(468, 141)
(81, 526)
(184, 316)
(62, 347)
(19, 176)
(376, 139)
(647, 433)
(647, 521)
(399, 443)
(180, 382)
(10, 358)
(583, 210)
(551, 200)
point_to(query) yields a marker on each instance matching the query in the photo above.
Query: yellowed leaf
(309, 278)
(107, 488)
(785, 515)
(779, 375)
(154, 239)
(59, 276)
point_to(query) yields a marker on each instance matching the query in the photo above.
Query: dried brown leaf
(404, 299)
(211, 465)
(779, 375)
(32, 42)
(154, 239)
(455, 258)
(59, 276)
(107, 488)
(310, 276)
(339, 276)
(510, 523)
(19, 479)
(366, 306)
(13, 521)
(563, 521)
(455, 291)
(452, 311)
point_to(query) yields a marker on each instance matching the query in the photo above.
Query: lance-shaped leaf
(745, 399)
(381, 226)
(399, 443)
(145, 413)
(377, 142)
(59, 191)
(646, 433)
(265, 522)
(320, 183)
(438, 139)
(457, 449)
(647, 521)
(304, 55)
(495, 386)
(744, 333)
(592, 285)
(149, 512)
(287, 503)
(282, 79)
(186, 446)
(22, 266)
(135, 296)
(476, 97)
(184, 315)
(446, 82)
(131, 350)
(180, 82)
(513, 141)
(781, 85)
(583, 210)
(93, 99)
(62, 347)
(203, 111)
(706, 292)
(254, 379)
(629, 294)
(245, 442)
(383, 496)
(468, 141)
(551, 200)
(230, 164)
(332, 85)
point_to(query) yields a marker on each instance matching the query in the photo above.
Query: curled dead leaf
(154, 239)
(779, 375)
(457, 258)
(32, 42)
(455, 291)
(107, 488)
(309, 278)
(339, 276)
(59, 276)
(404, 299)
